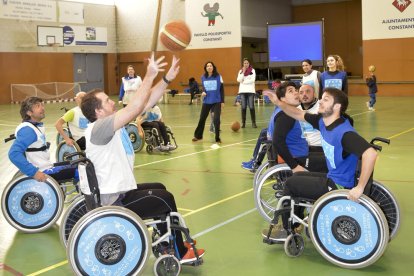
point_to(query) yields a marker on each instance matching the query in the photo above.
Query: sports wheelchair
(31, 206)
(114, 240)
(62, 149)
(139, 136)
(346, 233)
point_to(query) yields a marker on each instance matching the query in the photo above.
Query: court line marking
(203, 208)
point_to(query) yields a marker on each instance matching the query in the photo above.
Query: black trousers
(308, 185)
(162, 130)
(205, 110)
(81, 143)
(152, 200)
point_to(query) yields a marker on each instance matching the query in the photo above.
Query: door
(88, 71)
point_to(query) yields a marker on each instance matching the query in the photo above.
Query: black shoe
(190, 103)
(254, 125)
(243, 125)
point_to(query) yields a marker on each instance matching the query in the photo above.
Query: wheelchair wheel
(137, 140)
(59, 137)
(347, 233)
(167, 265)
(150, 149)
(294, 245)
(31, 206)
(259, 172)
(388, 204)
(76, 210)
(269, 189)
(109, 241)
(64, 150)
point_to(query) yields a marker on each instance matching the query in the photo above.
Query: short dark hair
(27, 105)
(90, 103)
(308, 61)
(339, 97)
(281, 90)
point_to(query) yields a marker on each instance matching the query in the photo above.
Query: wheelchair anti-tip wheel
(347, 233)
(59, 138)
(150, 149)
(63, 150)
(137, 140)
(31, 206)
(269, 189)
(167, 265)
(294, 245)
(76, 210)
(259, 172)
(388, 204)
(109, 241)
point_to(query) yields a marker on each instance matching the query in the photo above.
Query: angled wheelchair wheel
(137, 140)
(294, 245)
(31, 206)
(76, 210)
(346, 233)
(59, 137)
(259, 172)
(150, 149)
(63, 150)
(109, 241)
(388, 204)
(167, 265)
(269, 189)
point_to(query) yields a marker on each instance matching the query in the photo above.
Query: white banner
(81, 35)
(214, 24)
(384, 19)
(71, 12)
(28, 10)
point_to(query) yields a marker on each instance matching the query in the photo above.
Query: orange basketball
(235, 126)
(175, 36)
(371, 68)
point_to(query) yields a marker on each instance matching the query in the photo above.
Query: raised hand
(174, 69)
(155, 66)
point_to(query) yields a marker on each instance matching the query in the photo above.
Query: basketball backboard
(49, 36)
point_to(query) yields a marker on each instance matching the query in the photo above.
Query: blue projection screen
(289, 44)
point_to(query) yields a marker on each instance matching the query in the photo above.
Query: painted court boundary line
(210, 229)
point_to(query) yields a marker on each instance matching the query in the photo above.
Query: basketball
(175, 36)
(235, 126)
(371, 68)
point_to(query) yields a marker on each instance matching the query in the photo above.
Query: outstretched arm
(139, 100)
(159, 89)
(291, 111)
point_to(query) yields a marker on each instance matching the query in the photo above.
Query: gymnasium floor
(215, 195)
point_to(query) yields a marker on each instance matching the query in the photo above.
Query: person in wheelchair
(310, 104)
(77, 123)
(342, 146)
(30, 151)
(152, 118)
(110, 150)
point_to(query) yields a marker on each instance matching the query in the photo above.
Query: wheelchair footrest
(270, 241)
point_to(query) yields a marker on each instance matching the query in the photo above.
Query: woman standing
(311, 77)
(335, 76)
(213, 100)
(247, 91)
(130, 84)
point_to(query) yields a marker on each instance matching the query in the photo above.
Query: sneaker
(248, 166)
(171, 147)
(196, 139)
(367, 103)
(278, 234)
(163, 148)
(371, 109)
(218, 141)
(190, 257)
(247, 162)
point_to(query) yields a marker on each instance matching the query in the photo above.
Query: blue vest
(271, 125)
(336, 81)
(212, 87)
(341, 171)
(297, 145)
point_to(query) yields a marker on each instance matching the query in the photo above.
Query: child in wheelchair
(158, 134)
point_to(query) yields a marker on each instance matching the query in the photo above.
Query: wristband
(165, 79)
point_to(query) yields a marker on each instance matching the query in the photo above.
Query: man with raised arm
(109, 148)
(342, 146)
